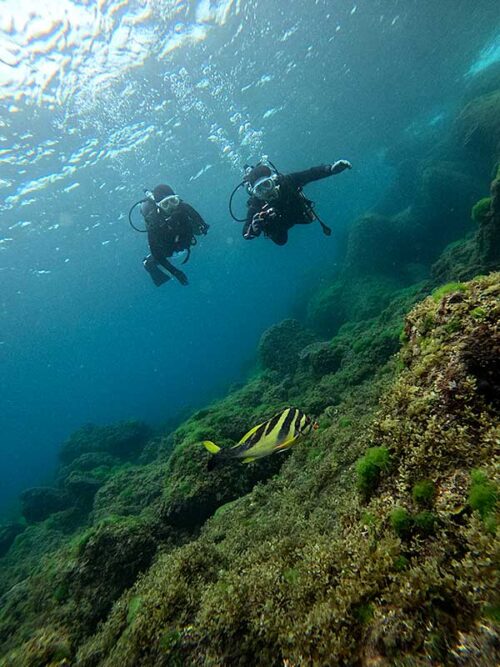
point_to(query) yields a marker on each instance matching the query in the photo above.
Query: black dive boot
(157, 276)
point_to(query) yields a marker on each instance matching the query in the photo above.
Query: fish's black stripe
(255, 437)
(272, 422)
(296, 427)
(284, 430)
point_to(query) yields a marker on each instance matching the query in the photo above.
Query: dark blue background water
(85, 336)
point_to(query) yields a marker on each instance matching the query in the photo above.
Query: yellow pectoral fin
(211, 446)
(249, 460)
(285, 445)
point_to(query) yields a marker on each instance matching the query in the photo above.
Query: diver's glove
(260, 221)
(264, 216)
(249, 234)
(339, 166)
(256, 225)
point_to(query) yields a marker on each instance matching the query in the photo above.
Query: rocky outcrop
(125, 441)
(40, 502)
(280, 346)
(8, 534)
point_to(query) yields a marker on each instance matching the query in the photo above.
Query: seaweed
(483, 497)
(401, 522)
(481, 209)
(370, 467)
(423, 492)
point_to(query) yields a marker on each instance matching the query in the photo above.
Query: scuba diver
(172, 226)
(276, 201)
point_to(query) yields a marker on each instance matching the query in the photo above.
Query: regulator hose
(141, 201)
(231, 202)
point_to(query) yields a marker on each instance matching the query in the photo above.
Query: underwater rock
(124, 440)
(82, 488)
(477, 128)
(478, 254)
(129, 491)
(317, 570)
(443, 203)
(378, 245)
(489, 229)
(157, 449)
(482, 83)
(322, 358)
(8, 534)
(326, 310)
(194, 493)
(351, 299)
(108, 562)
(40, 502)
(89, 462)
(481, 211)
(280, 345)
(322, 578)
(453, 354)
(480, 356)
(48, 648)
(459, 261)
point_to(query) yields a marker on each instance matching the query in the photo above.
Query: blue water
(97, 104)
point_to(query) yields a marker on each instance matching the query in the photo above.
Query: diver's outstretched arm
(301, 178)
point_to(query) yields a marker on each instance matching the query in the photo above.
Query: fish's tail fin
(211, 446)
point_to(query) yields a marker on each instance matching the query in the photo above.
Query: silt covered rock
(322, 358)
(8, 534)
(124, 440)
(81, 488)
(40, 502)
(109, 559)
(280, 345)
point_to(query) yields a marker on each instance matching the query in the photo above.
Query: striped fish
(276, 435)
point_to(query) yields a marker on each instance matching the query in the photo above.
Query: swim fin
(157, 275)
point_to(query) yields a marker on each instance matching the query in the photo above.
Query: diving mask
(266, 188)
(169, 204)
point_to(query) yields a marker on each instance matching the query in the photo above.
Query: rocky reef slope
(373, 541)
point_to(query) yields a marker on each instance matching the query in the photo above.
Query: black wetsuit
(168, 235)
(290, 207)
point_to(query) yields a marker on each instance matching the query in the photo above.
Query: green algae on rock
(293, 558)
(286, 572)
(123, 440)
(481, 209)
(280, 345)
